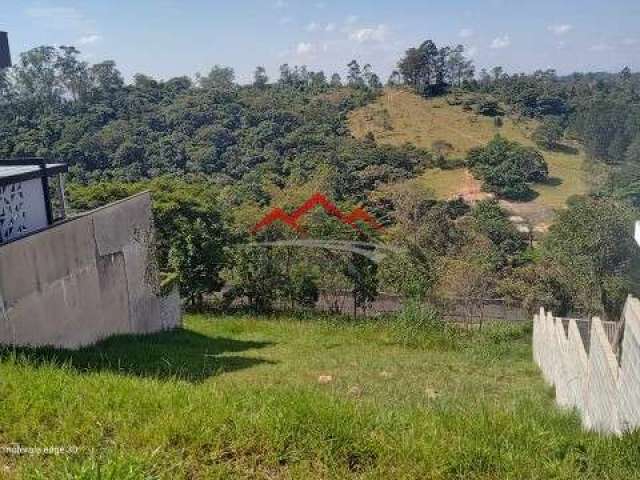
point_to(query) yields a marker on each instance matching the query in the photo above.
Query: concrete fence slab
(602, 385)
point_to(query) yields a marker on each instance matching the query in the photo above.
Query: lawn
(400, 117)
(278, 397)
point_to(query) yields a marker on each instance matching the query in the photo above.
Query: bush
(548, 134)
(508, 167)
(489, 108)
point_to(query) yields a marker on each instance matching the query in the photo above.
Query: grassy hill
(400, 116)
(276, 398)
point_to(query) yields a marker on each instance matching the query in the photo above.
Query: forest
(218, 155)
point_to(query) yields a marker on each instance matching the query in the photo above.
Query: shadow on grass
(529, 196)
(563, 148)
(181, 354)
(553, 182)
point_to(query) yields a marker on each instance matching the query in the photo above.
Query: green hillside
(400, 116)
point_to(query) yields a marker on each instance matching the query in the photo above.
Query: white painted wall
(22, 209)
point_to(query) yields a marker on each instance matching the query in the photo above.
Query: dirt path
(537, 215)
(471, 190)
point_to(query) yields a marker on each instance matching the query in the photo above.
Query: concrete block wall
(602, 386)
(83, 280)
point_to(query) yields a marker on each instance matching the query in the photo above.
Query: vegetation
(548, 134)
(508, 167)
(601, 110)
(422, 122)
(192, 233)
(251, 397)
(328, 397)
(217, 156)
(431, 70)
(595, 274)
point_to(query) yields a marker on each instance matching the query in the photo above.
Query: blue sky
(166, 38)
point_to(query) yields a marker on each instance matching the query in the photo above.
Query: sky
(167, 38)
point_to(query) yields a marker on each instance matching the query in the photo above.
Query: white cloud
(472, 51)
(501, 42)
(304, 48)
(600, 47)
(286, 20)
(465, 33)
(312, 27)
(330, 27)
(280, 4)
(321, 5)
(560, 29)
(370, 34)
(351, 19)
(89, 39)
(629, 42)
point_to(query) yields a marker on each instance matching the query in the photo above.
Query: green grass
(400, 117)
(240, 397)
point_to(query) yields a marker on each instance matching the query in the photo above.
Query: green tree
(354, 77)
(197, 256)
(507, 167)
(362, 272)
(371, 79)
(591, 245)
(336, 81)
(218, 77)
(260, 79)
(491, 220)
(257, 274)
(548, 134)
(192, 234)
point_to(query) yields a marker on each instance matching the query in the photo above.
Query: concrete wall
(85, 279)
(589, 374)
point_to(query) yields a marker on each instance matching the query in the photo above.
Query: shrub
(489, 108)
(548, 134)
(507, 167)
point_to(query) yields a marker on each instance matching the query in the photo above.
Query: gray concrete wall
(602, 386)
(85, 279)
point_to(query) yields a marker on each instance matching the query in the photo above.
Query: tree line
(217, 155)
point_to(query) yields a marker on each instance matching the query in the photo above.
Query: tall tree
(219, 77)
(395, 79)
(459, 68)
(336, 81)
(354, 77)
(73, 73)
(371, 79)
(260, 79)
